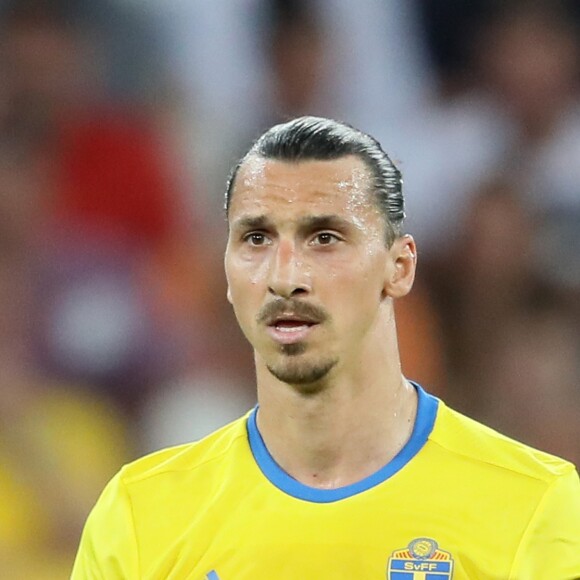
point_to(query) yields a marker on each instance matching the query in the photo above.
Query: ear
(400, 270)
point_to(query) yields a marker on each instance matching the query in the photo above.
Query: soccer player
(345, 469)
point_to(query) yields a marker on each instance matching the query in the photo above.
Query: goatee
(302, 374)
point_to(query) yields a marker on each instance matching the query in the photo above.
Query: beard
(305, 374)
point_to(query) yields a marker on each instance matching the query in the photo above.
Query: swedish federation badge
(421, 560)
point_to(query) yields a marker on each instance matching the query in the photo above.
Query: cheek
(245, 310)
(356, 277)
(245, 288)
(245, 272)
(353, 292)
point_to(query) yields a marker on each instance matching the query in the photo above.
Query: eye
(325, 239)
(256, 239)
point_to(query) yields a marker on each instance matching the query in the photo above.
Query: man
(345, 469)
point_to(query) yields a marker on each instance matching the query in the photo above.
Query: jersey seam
(546, 480)
(137, 478)
(529, 524)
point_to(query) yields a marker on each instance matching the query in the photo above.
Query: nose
(289, 275)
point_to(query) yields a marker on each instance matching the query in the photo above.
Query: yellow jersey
(459, 501)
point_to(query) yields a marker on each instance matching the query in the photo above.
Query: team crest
(420, 560)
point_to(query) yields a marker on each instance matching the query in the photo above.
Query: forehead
(267, 185)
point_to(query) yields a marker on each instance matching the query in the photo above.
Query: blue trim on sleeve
(426, 413)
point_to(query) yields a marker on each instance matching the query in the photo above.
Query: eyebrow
(308, 223)
(319, 222)
(259, 222)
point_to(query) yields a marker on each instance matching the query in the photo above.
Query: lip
(291, 317)
(293, 334)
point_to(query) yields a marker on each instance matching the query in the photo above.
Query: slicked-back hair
(319, 139)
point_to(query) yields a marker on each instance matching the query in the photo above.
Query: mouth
(290, 329)
(290, 322)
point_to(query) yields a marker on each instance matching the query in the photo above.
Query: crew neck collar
(424, 421)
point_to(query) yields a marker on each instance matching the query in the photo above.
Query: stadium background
(119, 121)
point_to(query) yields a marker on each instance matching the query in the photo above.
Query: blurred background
(119, 122)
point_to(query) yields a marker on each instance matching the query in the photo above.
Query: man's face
(306, 262)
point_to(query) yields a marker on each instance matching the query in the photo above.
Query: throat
(327, 447)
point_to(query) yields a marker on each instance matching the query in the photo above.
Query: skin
(312, 282)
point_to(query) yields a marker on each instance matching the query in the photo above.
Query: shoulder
(483, 448)
(150, 498)
(190, 457)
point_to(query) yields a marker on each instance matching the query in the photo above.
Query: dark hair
(316, 138)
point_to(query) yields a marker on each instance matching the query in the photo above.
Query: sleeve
(108, 546)
(550, 547)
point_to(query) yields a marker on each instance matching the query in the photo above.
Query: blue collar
(425, 419)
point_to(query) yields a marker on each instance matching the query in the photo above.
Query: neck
(346, 430)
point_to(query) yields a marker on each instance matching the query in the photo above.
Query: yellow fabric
(485, 506)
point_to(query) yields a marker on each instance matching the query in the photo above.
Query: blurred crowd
(119, 122)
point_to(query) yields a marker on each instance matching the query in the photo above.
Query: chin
(308, 377)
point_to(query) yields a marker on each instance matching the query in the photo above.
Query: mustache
(282, 307)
